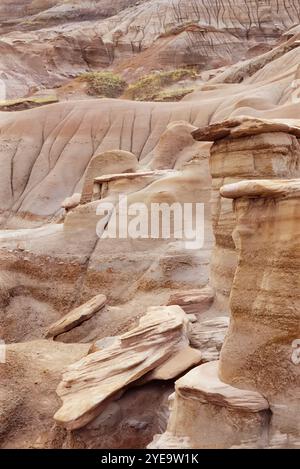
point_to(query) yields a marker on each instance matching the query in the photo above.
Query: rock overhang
(244, 126)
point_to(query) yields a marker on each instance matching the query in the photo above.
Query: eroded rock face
(49, 270)
(28, 401)
(243, 148)
(208, 337)
(176, 145)
(265, 301)
(206, 413)
(65, 148)
(135, 36)
(88, 385)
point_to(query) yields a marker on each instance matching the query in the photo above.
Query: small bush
(174, 94)
(149, 87)
(26, 103)
(105, 84)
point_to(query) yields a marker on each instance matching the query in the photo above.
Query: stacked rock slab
(243, 148)
(260, 351)
(89, 385)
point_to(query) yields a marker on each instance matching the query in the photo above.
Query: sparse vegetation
(24, 103)
(173, 94)
(150, 87)
(104, 84)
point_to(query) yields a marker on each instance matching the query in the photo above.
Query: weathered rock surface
(193, 301)
(265, 301)
(208, 337)
(28, 400)
(106, 163)
(176, 145)
(244, 148)
(77, 316)
(88, 384)
(48, 267)
(207, 413)
(71, 202)
(134, 36)
(65, 265)
(246, 127)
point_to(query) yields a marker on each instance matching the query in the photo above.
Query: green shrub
(105, 84)
(149, 87)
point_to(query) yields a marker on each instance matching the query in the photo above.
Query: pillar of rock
(209, 414)
(260, 351)
(243, 148)
(251, 397)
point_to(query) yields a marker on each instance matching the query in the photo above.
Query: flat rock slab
(176, 365)
(88, 385)
(204, 384)
(77, 316)
(262, 188)
(115, 177)
(245, 126)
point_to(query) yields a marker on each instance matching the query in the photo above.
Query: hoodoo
(149, 227)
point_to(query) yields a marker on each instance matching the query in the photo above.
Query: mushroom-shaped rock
(109, 162)
(265, 299)
(207, 413)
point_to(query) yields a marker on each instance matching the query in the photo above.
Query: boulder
(176, 365)
(77, 316)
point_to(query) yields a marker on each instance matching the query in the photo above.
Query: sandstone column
(259, 352)
(243, 148)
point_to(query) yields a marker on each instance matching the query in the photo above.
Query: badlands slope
(49, 42)
(53, 261)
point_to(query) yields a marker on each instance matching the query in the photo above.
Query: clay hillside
(187, 337)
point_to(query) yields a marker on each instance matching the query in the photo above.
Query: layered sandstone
(207, 413)
(28, 381)
(193, 301)
(87, 385)
(259, 350)
(243, 148)
(53, 261)
(265, 301)
(134, 37)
